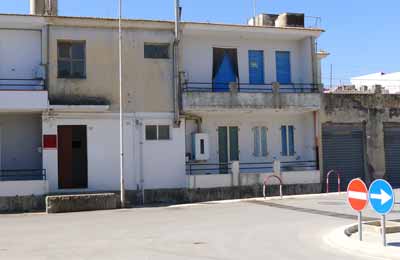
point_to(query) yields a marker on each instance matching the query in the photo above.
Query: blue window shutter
(256, 67)
(291, 140)
(264, 151)
(284, 140)
(283, 71)
(256, 138)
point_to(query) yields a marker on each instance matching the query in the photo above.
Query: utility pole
(121, 118)
(331, 76)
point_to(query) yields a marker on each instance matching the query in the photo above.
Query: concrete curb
(339, 240)
(257, 199)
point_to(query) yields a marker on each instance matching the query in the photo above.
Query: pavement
(297, 227)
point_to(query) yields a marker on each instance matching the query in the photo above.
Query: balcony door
(256, 67)
(225, 69)
(228, 146)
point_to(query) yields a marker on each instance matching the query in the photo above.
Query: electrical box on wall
(200, 147)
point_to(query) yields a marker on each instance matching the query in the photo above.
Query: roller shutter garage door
(343, 151)
(392, 154)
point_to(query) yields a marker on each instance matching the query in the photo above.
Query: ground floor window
(287, 138)
(260, 141)
(158, 132)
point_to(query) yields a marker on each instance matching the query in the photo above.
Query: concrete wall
(304, 134)
(372, 110)
(162, 162)
(197, 51)
(23, 188)
(21, 141)
(147, 82)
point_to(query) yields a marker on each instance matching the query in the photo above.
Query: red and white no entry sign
(357, 194)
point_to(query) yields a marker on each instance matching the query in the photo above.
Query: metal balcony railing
(21, 84)
(208, 168)
(251, 88)
(23, 175)
(298, 166)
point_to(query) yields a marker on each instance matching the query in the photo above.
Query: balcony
(23, 95)
(207, 97)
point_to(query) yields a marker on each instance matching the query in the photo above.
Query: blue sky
(361, 35)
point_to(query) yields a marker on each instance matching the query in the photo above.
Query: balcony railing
(298, 166)
(251, 88)
(21, 84)
(23, 175)
(208, 168)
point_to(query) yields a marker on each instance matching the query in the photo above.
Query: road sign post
(357, 197)
(381, 198)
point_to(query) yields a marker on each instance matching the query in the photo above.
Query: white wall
(23, 188)
(198, 56)
(20, 52)
(304, 134)
(163, 161)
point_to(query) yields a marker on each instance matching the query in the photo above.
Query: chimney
(44, 7)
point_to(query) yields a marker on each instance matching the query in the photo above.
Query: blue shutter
(283, 72)
(284, 140)
(256, 67)
(291, 140)
(264, 151)
(256, 137)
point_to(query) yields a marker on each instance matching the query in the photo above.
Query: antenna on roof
(254, 9)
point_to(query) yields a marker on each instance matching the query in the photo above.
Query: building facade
(219, 106)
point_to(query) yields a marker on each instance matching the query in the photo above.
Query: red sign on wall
(49, 141)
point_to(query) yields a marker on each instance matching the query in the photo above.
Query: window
(260, 141)
(256, 67)
(287, 137)
(157, 132)
(71, 59)
(156, 50)
(225, 69)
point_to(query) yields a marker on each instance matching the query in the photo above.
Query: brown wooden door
(72, 157)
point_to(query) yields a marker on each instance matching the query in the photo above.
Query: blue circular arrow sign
(381, 197)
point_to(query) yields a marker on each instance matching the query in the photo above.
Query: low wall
(23, 188)
(81, 202)
(177, 196)
(20, 204)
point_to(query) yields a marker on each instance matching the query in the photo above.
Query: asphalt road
(288, 229)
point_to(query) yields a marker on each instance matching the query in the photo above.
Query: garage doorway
(343, 151)
(72, 157)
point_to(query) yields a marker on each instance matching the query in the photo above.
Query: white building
(23, 98)
(390, 82)
(251, 94)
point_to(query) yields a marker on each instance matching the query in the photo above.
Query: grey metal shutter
(343, 151)
(392, 154)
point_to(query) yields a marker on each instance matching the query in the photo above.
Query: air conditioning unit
(200, 147)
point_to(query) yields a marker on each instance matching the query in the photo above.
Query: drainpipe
(176, 80)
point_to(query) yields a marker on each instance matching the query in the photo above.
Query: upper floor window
(256, 67)
(287, 138)
(71, 59)
(225, 69)
(283, 71)
(156, 50)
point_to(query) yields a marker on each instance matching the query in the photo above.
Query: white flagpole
(121, 124)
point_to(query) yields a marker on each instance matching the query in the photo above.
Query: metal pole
(360, 225)
(121, 125)
(254, 11)
(383, 230)
(331, 76)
